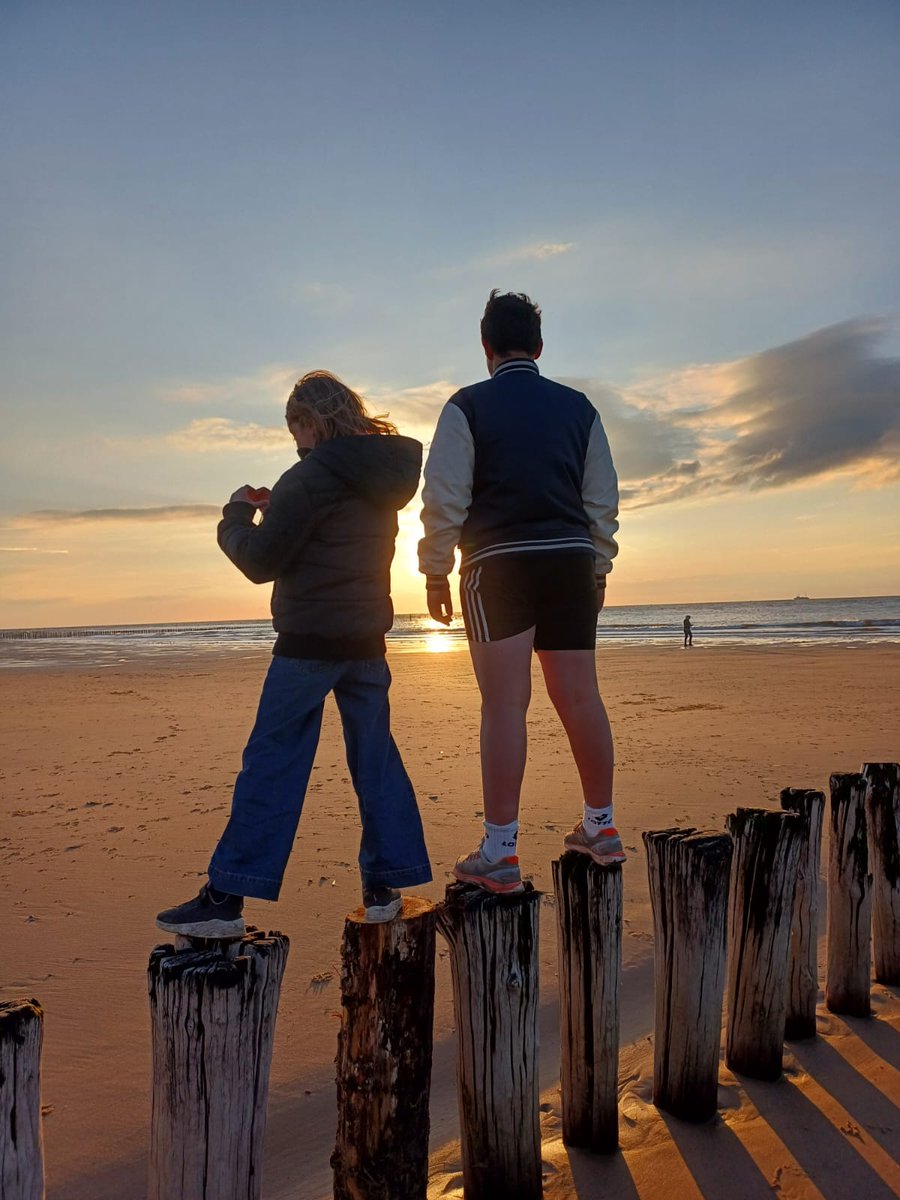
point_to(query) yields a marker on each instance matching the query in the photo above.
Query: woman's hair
(333, 409)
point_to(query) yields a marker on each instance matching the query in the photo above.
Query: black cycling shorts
(556, 594)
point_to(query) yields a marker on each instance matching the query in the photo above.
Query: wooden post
(21, 1144)
(384, 1056)
(213, 1019)
(493, 944)
(803, 979)
(848, 978)
(763, 882)
(589, 914)
(689, 882)
(883, 816)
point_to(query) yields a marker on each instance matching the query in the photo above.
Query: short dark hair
(511, 321)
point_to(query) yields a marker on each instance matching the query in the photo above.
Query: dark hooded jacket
(327, 541)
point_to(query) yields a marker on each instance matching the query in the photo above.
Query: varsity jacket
(327, 541)
(518, 465)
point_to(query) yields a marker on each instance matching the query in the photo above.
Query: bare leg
(503, 671)
(571, 678)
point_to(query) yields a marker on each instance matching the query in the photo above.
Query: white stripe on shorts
(475, 607)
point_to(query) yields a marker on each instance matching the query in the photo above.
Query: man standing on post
(520, 477)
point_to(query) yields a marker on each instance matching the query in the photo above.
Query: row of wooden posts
(752, 891)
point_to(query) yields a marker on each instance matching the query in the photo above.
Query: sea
(850, 621)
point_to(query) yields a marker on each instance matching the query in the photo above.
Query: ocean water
(851, 621)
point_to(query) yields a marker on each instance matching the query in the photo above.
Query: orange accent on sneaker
(513, 860)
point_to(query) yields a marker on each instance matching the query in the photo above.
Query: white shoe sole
(207, 929)
(379, 914)
(602, 860)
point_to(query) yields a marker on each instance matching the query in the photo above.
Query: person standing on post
(520, 478)
(326, 541)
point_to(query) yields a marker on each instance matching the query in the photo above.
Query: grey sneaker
(503, 876)
(205, 917)
(605, 848)
(381, 904)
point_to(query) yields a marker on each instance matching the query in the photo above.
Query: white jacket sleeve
(447, 493)
(600, 496)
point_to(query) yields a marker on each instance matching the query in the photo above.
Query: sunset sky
(203, 200)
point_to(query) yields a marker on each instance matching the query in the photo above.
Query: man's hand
(440, 605)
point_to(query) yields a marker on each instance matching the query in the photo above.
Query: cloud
(540, 250)
(268, 386)
(169, 512)
(221, 435)
(415, 410)
(823, 405)
(530, 252)
(29, 550)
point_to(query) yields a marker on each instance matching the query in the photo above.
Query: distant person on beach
(326, 540)
(688, 632)
(520, 477)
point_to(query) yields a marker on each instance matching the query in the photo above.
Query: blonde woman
(326, 540)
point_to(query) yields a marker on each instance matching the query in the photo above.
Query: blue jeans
(252, 853)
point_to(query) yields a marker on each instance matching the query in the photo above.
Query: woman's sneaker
(381, 904)
(604, 848)
(503, 876)
(205, 917)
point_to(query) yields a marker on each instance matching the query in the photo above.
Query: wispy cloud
(221, 435)
(268, 386)
(538, 250)
(415, 410)
(530, 252)
(169, 512)
(820, 406)
(29, 550)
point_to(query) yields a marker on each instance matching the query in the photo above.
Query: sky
(200, 201)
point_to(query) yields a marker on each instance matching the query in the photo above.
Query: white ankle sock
(499, 840)
(596, 819)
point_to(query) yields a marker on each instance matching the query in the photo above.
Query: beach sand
(116, 783)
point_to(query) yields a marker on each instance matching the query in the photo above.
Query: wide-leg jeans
(252, 854)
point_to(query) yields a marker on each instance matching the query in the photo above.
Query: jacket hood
(384, 468)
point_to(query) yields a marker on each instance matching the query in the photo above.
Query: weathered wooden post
(763, 882)
(848, 978)
(589, 915)
(384, 1056)
(883, 816)
(21, 1143)
(689, 883)
(493, 942)
(803, 979)
(212, 1015)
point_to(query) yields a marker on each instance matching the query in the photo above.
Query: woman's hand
(258, 497)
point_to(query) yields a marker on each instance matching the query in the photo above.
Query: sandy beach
(116, 783)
